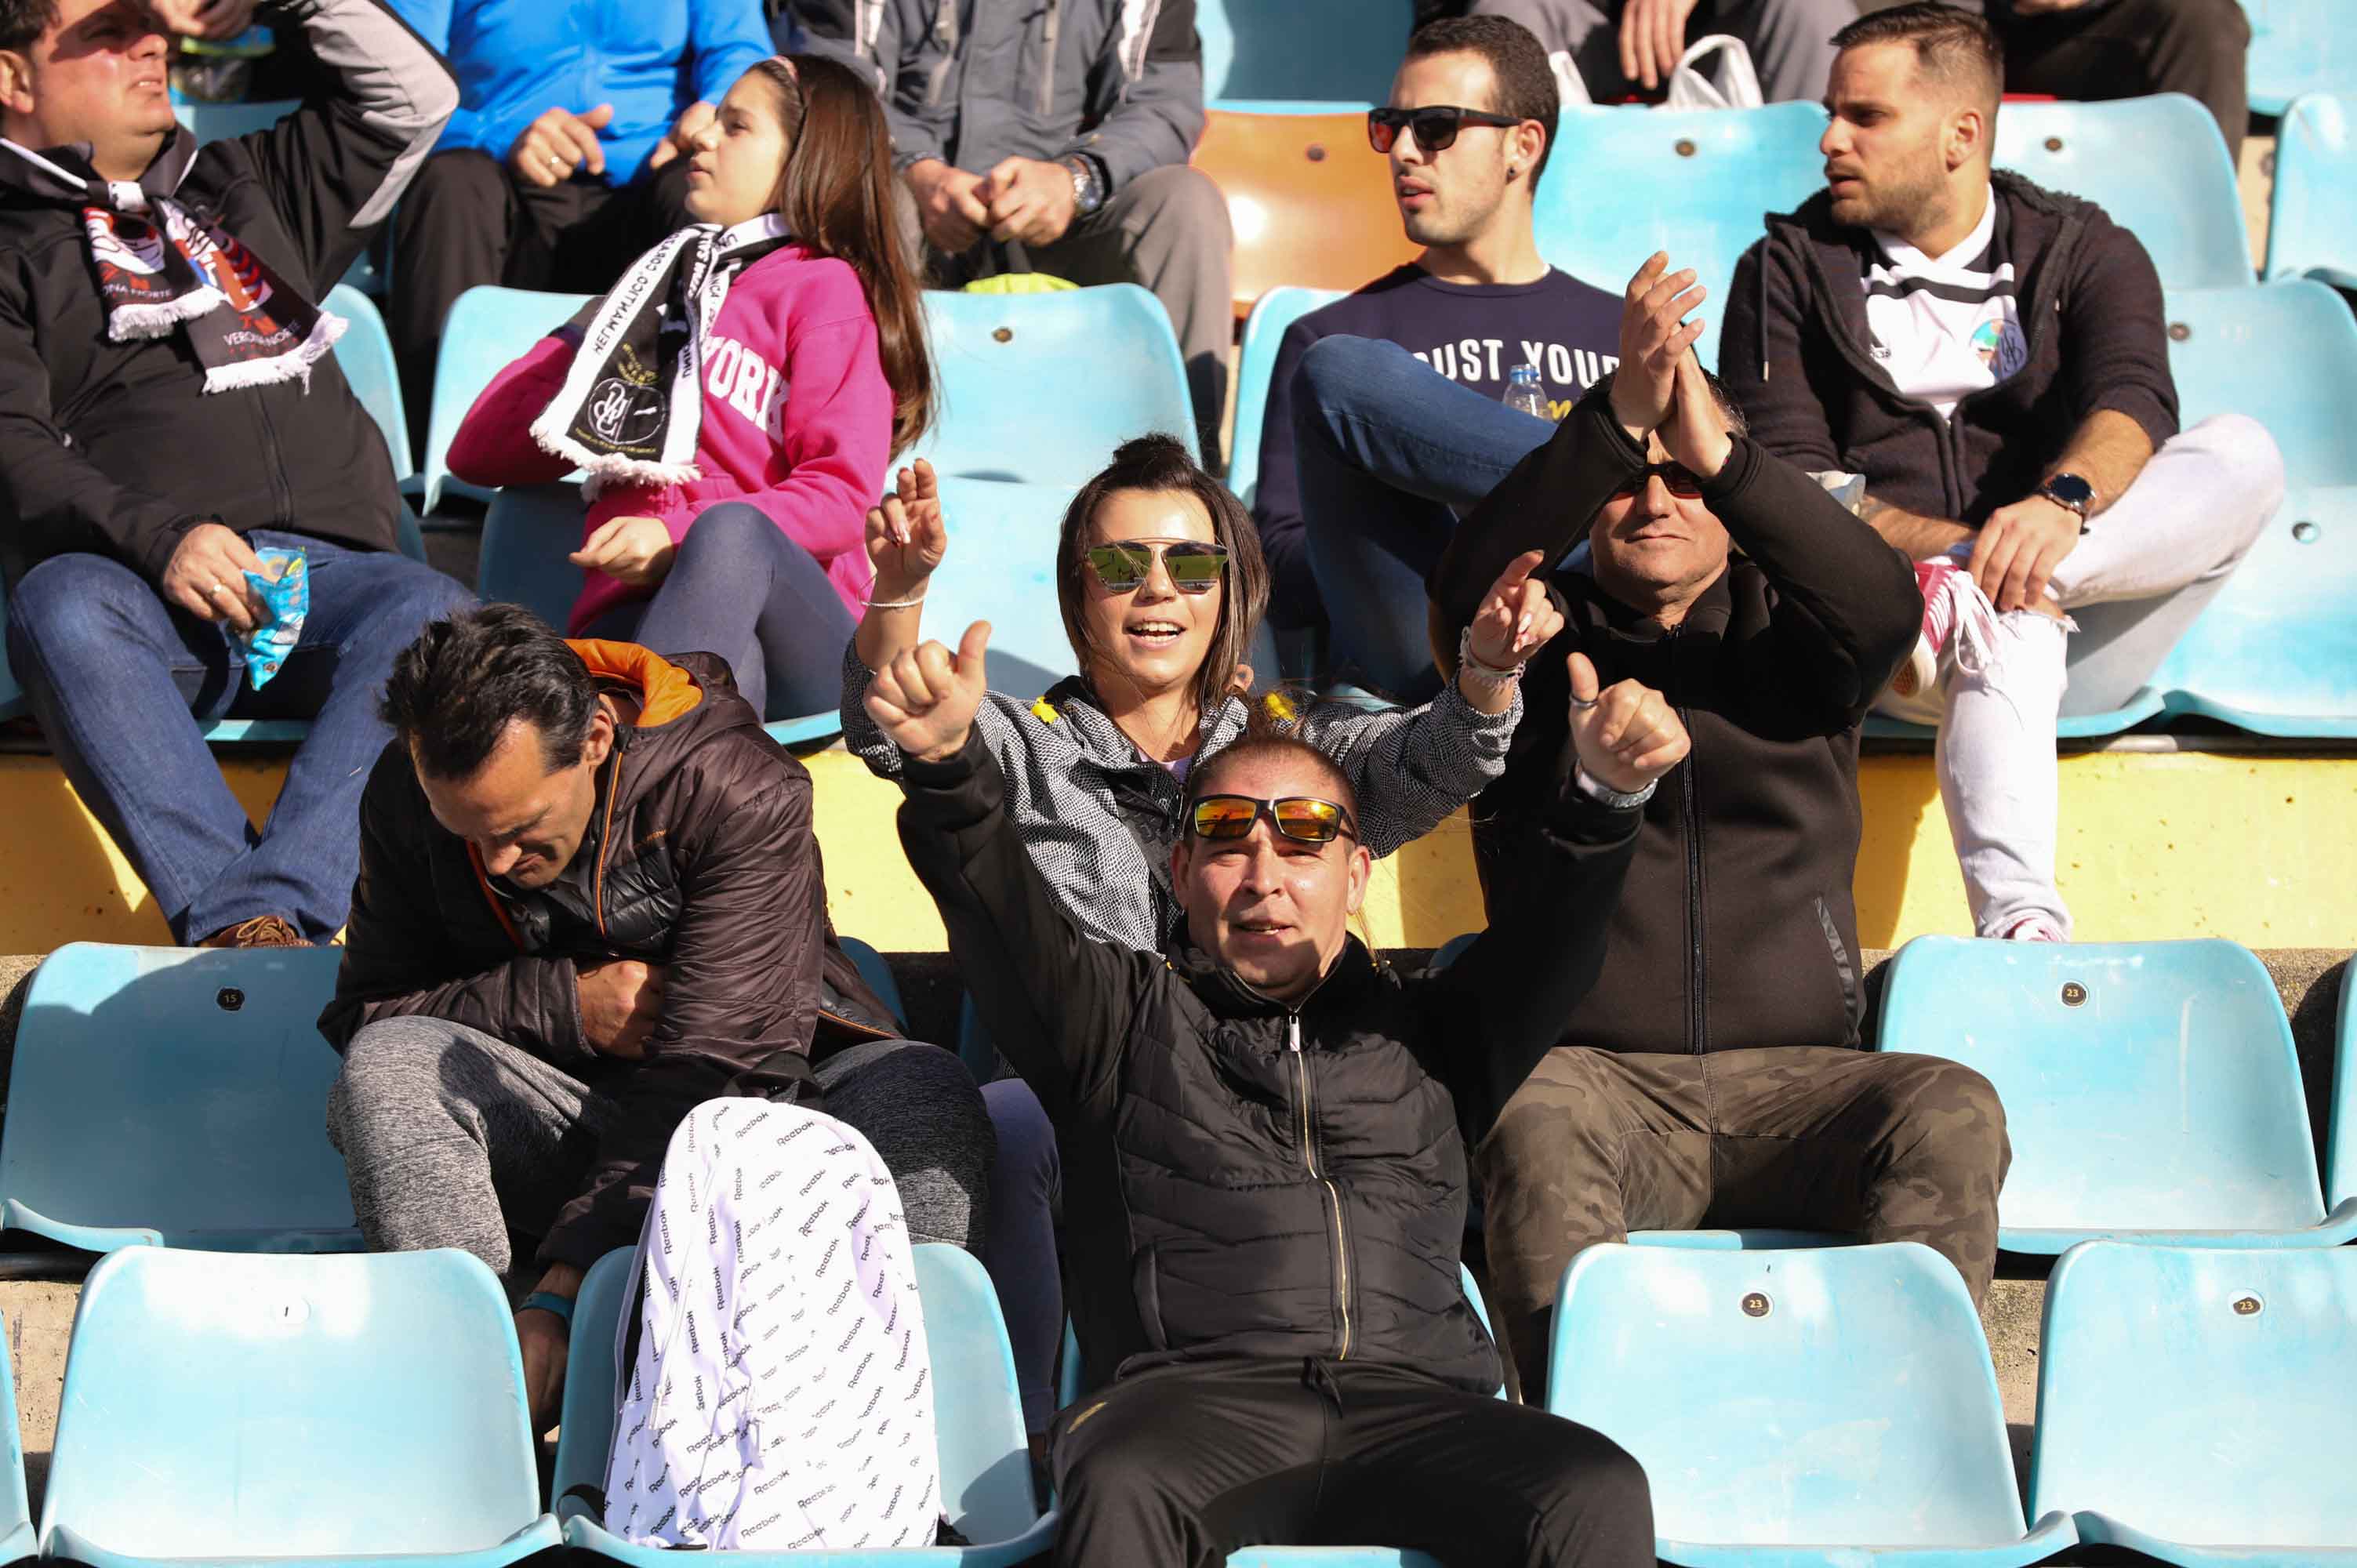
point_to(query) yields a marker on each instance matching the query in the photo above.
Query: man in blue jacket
(564, 161)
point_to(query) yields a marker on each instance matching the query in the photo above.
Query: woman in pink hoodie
(738, 397)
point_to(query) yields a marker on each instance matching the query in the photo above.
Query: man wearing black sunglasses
(1710, 1076)
(1264, 1133)
(1355, 496)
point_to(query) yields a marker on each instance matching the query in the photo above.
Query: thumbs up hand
(925, 699)
(1627, 736)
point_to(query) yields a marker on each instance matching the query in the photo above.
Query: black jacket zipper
(1333, 1197)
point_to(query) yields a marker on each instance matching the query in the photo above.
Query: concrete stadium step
(2244, 839)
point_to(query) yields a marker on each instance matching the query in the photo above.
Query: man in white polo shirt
(1992, 358)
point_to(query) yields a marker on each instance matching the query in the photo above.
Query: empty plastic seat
(2277, 650)
(2156, 165)
(2312, 215)
(2300, 47)
(1696, 183)
(1294, 49)
(1001, 568)
(488, 328)
(2194, 1404)
(176, 1096)
(2150, 1089)
(1310, 200)
(1834, 1406)
(977, 1415)
(17, 1540)
(364, 354)
(1040, 388)
(1263, 334)
(226, 1410)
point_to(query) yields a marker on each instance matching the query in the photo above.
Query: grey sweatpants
(1790, 41)
(452, 1138)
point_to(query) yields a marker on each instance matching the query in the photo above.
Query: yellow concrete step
(2155, 844)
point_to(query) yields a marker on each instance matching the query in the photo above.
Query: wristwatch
(1603, 794)
(2071, 493)
(1088, 187)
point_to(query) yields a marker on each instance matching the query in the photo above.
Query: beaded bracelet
(1470, 663)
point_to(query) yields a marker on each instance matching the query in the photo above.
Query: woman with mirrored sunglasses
(1161, 584)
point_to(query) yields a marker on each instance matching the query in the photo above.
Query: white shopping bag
(1738, 84)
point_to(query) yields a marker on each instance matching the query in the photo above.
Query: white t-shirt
(1945, 326)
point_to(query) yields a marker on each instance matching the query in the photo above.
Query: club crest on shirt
(1999, 343)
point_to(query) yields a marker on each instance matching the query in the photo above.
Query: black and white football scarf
(631, 405)
(161, 267)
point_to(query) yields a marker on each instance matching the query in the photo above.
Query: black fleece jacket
(1242, 1178)
(1799, 357)
(1735, 928)
(115, 448)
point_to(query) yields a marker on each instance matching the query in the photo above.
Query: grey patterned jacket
(1100, 820)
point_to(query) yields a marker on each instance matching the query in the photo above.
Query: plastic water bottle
(1525, 392)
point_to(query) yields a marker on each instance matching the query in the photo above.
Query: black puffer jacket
(700, 858)
(1243, 1179)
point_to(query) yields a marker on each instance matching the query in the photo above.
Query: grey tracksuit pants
(452, 1138)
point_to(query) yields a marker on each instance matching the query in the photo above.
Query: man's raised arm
(333, 168)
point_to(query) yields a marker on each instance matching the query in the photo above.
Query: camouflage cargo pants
(1597, 1143)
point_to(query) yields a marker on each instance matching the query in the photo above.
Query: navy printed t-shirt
(1475, 334)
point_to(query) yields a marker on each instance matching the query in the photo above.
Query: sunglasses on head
(1680, 479)
(1305, 819)
(1436, 128)
(1194, 566)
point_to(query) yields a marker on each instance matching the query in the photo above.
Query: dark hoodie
(114, 448)
(1799, 357)
(700, 858)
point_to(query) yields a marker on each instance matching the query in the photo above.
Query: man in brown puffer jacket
(589, 899)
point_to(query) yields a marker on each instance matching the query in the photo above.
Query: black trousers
(2128, 48)
(1179, 1466)
(466, 220)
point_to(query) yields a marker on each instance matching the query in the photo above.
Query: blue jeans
(1390, 453)
(115, 676)
(740, 589)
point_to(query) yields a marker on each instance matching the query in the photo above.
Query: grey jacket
(974, 81)
(1100, 820)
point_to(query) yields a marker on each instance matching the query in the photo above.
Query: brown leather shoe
(262, 932)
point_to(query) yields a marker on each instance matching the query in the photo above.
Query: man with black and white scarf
(168, 407)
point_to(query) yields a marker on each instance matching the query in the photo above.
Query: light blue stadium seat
(175, 1097)
(221, 1410)
(2194, 1404)
(1280, 53)
(2190, 218)
(2150, 1089)
(2276, 653)
(364, 354)
(1696, 183)
(2312, 215)
(977, 1415)
(488, 329)
(1040, 388)
(1001, 568)
(527, 531)
(1263, 332)
(2300, 47)
(1833, 1407)
(18, 1541)
(876, 973)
